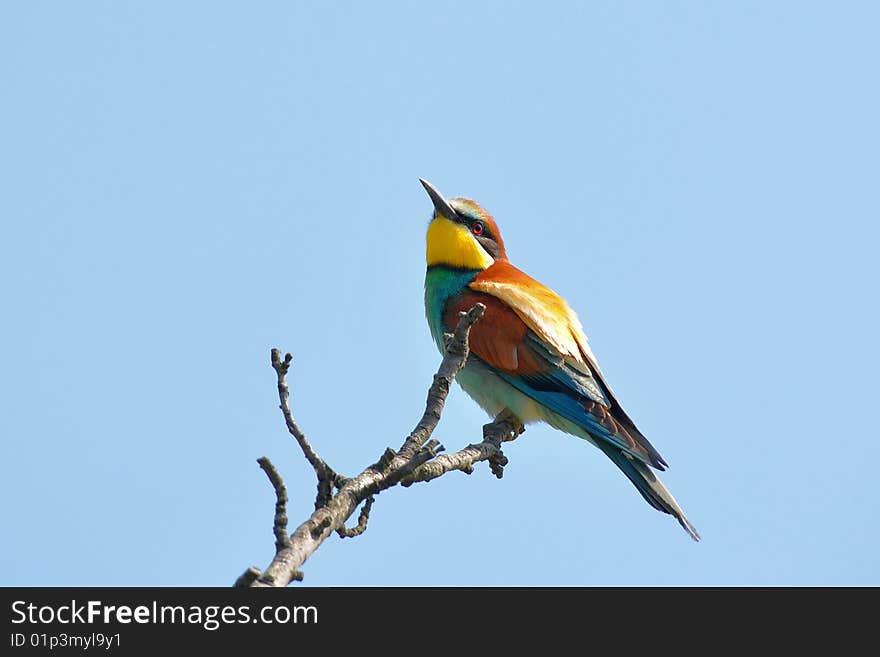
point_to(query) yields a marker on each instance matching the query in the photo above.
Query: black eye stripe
(469, 222)
(486, 238)
(490, 245)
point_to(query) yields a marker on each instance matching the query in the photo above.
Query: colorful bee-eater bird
(529, 354)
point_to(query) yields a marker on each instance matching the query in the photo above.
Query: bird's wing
(535, 341)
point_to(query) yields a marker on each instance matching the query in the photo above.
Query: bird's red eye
(478, 228)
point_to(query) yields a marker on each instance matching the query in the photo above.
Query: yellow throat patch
(453, 245)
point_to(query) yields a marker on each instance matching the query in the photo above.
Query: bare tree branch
(282, 540)
(457, 351)
(327, 478)
(501, 430)
(248, 577)
(363, 518)
(418, 459)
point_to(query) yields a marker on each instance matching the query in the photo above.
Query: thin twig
(363, 518)
(453, 360)
(327, 478)
(501, 430)
(282, 540)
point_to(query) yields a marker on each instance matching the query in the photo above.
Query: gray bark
(418, 460)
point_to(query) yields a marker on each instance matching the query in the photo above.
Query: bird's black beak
(440, 204)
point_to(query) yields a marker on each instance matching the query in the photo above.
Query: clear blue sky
(186, 185)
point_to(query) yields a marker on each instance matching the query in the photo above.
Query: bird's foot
(514, 427)
(504, 428)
